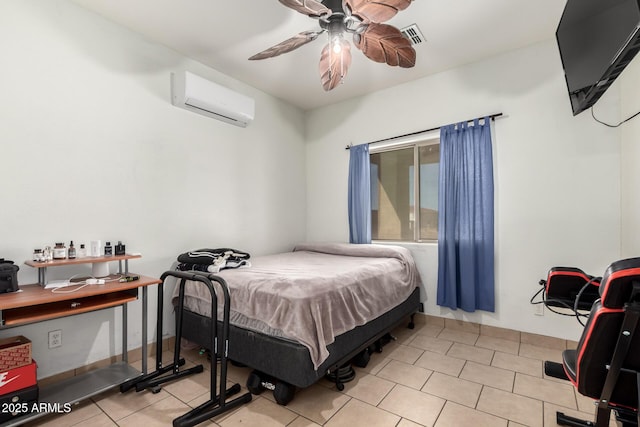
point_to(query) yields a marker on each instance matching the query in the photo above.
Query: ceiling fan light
(336, 43)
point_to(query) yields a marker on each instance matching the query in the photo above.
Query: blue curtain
(465, 218)
(359, 194)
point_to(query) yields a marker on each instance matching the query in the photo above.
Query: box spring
(288, 360)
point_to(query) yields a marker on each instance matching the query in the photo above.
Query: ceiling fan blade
(376, 10)
(385, 43)
(334, 65)
(288, 45)
(307, 7)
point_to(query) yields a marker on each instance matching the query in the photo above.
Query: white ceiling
(224, 33)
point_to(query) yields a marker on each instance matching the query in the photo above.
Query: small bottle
(72, 251)
(59, 251)
(82, 252)
(47, 253)
(120, 249)
(37, 255)
(108, 249)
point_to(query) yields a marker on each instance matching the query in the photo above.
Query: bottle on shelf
(120, 248)
(82, 252)
(108, 249)
(59, 251)
(72, 251)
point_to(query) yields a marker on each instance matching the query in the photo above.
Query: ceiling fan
(364, 19)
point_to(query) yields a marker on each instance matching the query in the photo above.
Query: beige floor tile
(302, 422)
(318, 403)
(414, 405)
(190, 387)
(438, 362)
(406, 423)
(101, 420)
(543, 341)
(429, 330)
(368, 388)
(520, 409)
(376, 363)
(434, 320)
(463, 337)
(540, 353)
(454, 415)
(259, 412)
(470, 352)
(515, 363)
(460, 325)
(160, 414)
(436, 345)
(357, 413)
(507, 334)
(545, 390)
(498, 344)
(455, 389)
(514, 424)
(403, 353)
(79, 413)
(488, 375)
(403, 335)
(405, 374)
(119, 405)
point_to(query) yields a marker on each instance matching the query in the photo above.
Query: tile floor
(442, 373)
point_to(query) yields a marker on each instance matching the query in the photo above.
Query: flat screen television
(596, 39)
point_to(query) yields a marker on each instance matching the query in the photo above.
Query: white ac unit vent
(205, 97)
(412, 32)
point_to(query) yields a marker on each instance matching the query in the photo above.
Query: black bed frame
(287, 363)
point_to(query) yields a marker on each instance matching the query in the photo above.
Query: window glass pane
(429, 157)
(392, 216)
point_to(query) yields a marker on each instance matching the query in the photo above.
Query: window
(395, 187)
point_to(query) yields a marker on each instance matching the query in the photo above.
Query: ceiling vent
(412, 32)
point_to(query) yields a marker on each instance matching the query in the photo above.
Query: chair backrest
(601, 333)
(563, 285)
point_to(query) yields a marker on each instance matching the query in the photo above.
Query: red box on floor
(18, 378)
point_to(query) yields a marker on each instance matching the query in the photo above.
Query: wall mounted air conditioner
(205, 97)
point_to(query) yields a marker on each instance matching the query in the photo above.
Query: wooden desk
(34, 303)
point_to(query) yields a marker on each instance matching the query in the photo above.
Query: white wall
(630, 172)
(556, 176)
(91, 148)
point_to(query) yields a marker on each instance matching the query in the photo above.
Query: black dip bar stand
(217, 403)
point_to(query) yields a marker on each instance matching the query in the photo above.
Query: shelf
(24, 315)
(75, 261)
(34, 303)
(78, 388)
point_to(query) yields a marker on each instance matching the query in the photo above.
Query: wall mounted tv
(596, 39)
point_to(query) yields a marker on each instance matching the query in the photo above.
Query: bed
(298, 315)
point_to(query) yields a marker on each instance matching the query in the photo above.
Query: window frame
(416, 143)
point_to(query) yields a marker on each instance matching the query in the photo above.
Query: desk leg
(144, 330)
(125, 350)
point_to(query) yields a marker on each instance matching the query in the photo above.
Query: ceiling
(224, 33)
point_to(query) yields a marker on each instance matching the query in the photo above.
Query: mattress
(314, 293)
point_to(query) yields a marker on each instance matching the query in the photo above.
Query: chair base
(566, 420)
(623, 418)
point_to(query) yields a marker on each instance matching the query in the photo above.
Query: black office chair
(606, 364)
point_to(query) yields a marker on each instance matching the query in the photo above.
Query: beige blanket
(316, 292)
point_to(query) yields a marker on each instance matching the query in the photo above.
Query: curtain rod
(492, 117)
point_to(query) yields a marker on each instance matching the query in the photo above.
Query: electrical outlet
(55, 338)
(539, 310)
